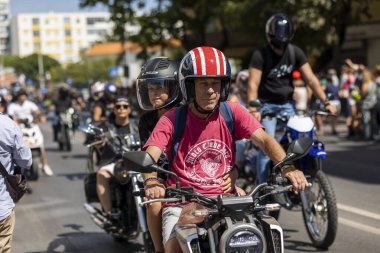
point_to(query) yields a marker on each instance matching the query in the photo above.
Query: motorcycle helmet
(110, 91)
(203, 62)
(158, 73)
(242, 80)
(279, 30)
(96, 89)
(63, 93)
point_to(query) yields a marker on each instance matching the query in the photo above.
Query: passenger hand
(229, 180)
(296, 177)
(154, 190)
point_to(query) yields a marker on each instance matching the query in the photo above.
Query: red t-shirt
(205, 152)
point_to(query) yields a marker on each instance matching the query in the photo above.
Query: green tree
(29, 65)
(320, 25)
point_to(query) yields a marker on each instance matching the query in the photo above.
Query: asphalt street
(52, 218)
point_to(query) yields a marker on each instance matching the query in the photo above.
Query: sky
(27, 6)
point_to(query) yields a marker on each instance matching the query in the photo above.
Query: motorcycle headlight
(243, 238)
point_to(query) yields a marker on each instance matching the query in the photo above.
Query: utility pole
(41, 71)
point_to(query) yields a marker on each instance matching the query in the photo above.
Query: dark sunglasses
(121, 106)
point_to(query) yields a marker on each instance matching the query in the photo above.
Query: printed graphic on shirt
(207, 161)
(283, 70)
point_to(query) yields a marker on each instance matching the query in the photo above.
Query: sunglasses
(121, 106)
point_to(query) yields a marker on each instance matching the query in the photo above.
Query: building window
(66, 21)
(67, 32)
(35, 21)
(37, 46)
(36, 33)
(91, 21)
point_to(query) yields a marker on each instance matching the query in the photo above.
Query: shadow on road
(72, 176)
(75, 156)
(77, 242)
(356, 162)
(301, 246)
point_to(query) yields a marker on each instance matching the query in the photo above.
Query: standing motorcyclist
(23, 109)
(122, 125)
(270, 78)
(157, 92)
(103, 107)
(206, 150)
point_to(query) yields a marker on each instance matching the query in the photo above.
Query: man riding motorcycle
(206, 151)
(24, 109)
(123, 125)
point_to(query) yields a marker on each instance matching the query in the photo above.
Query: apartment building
(4, 26)
(59, 35)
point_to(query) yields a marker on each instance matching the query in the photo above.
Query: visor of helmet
(156, 93)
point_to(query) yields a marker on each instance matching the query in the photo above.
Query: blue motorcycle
(318, 202)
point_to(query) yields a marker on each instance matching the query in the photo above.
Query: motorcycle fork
(140, 211)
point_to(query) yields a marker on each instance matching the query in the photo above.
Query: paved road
(52, 219)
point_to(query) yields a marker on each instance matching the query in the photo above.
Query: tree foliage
(320, 25)
(28, 65)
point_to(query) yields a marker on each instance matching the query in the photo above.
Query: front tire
(33, 174)
(321, 220)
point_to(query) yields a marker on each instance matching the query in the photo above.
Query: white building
(60, 35)
(4, 26)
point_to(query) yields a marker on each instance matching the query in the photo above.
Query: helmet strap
(208, 113)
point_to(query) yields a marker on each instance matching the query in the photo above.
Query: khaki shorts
(6, 231)
(170, 217)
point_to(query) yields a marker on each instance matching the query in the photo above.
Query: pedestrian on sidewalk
(13, 151)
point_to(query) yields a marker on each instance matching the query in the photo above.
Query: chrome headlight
(242, 238)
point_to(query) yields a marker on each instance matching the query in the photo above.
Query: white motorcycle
(34, 139)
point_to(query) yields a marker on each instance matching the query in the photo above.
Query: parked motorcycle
(129, 219)
(34, 139)
(224, 224)
(318, 202)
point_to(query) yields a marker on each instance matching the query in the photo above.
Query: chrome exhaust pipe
(95, 214)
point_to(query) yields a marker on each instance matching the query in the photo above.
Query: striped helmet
(203, 62)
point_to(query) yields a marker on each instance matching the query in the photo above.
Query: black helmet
(21, 92)
(156, 73)
(63, 93)
(279, 30)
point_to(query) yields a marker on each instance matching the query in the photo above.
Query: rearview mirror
(139, 161)
(299, 148)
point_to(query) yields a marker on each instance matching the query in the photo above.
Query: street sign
(113, 71)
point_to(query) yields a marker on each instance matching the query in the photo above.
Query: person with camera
(13, 152)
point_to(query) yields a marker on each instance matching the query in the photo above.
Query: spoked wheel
(320, 216)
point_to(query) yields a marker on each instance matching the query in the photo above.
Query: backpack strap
(226, 112)
(179, 129)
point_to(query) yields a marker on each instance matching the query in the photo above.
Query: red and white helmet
(203, 62)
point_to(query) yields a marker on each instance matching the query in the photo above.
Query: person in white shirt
(23, 109)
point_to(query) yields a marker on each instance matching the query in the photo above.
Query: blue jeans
(270, 127)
